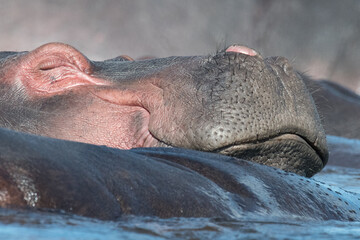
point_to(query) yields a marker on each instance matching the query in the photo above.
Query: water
(15, 225)
(47, 226)
(346, 178)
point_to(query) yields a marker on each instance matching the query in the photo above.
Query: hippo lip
(290, 152)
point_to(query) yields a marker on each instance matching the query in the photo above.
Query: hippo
(339, 110)
(338, 107)
(47, 174)
(234, 102)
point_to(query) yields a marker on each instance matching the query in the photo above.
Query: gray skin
(231, 103)
(339, 108)
(39, 173)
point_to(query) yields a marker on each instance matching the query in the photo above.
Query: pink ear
(54, 68)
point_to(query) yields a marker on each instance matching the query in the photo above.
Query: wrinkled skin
(234, 102)
(106, 183)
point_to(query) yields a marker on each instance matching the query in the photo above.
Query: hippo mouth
(289, 152)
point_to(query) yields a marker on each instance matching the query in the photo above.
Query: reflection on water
(15, 225)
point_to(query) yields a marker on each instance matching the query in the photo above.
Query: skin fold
(234, 102)
(155, 134)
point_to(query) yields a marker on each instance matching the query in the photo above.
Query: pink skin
(242, 49)
(102, 114)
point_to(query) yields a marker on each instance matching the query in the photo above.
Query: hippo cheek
(134, 112)
(58, 95)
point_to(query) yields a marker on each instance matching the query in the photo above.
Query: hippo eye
(51, 64)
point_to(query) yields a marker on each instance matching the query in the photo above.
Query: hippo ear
(54, 68)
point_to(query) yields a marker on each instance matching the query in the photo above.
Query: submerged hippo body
(97, 181)
(338, 106)
(235, 103)
(339, 109)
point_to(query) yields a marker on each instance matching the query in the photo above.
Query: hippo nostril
(280, 66)
(288, 69)
(284, 64)
(242, 49)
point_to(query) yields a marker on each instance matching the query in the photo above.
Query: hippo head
(234, 102)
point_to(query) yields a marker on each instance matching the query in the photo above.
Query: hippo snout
(234, 102)
(265, 114)
(246, 106)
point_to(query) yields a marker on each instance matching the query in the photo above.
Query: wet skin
(338, 106)
(234, 102)
(339, 109)
(107, 183)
